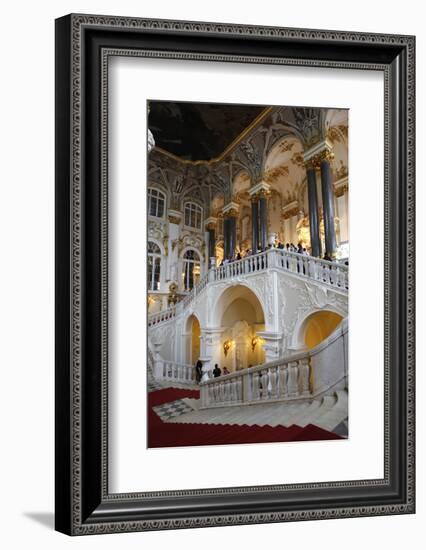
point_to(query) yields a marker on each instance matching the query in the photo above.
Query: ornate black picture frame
(83, 45)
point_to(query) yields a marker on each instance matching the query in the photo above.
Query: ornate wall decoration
(271, 175)
(340, 171)
(156, 229)
(297, 159)
(337, 134)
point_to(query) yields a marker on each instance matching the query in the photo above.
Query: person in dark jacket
(198, 370)
(216, 371)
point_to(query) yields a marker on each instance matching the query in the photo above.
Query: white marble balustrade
(174, 372)
(331, 274)
(289, 380)
(301, 376)
(160, 316)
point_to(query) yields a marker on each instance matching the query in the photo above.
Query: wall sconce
(254, 341)
(227, 344)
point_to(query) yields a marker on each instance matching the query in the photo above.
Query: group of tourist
(289, 247)
(217, 371)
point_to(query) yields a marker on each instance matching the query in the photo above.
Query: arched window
(191, 269)
(193, 214)
(154, 266)
(156, 202)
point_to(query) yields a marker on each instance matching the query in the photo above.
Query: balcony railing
(332, 274)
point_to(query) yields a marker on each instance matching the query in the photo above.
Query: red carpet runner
(163, 434)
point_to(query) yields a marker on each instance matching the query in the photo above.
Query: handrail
(159, 316)
(285, 379)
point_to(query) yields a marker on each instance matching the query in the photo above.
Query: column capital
(174, 216)
(289, 210)
(230, 210)
(315, 155)
(261, 189)
(210, 223)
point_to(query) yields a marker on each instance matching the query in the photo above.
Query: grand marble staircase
(328, 412)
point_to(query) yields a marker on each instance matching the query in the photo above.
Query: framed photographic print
(234, 274)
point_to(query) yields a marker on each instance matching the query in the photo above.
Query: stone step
(326, 413)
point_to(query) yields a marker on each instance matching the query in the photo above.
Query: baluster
(230, 396)
(230, 391)
(265, 384)
(285, 260)
(225, 391)
(270, 385)
(221, 392)
(305, 266)
(239, 389)
(314, 270)
(304, 372)
(326, 274)
(332, 275)
(255, 386)
(338, 279)
(233, 383)
(293, 388)
(273, 382)
(215, 393)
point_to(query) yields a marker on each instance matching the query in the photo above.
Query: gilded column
(328, 204)
(210, 225)
(254, 224)
(314, 227)
(232, 220)
(230, 214)
(259, 195)
(226, 237)
(263, 220)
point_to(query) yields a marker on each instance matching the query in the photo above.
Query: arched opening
(154, 266)
(319, 326)
(191, 269)
(239, 314)
(194, 333)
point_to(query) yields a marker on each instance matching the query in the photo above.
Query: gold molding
(341, 190)
(290, 213)
(315, 161)
(174, 219)
(231, 213)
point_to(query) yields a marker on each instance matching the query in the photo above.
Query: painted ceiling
(198, 131)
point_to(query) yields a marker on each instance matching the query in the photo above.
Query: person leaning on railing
(216, 371)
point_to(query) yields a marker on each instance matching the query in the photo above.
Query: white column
(211, 338)
(342, 214)
(271, 345)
